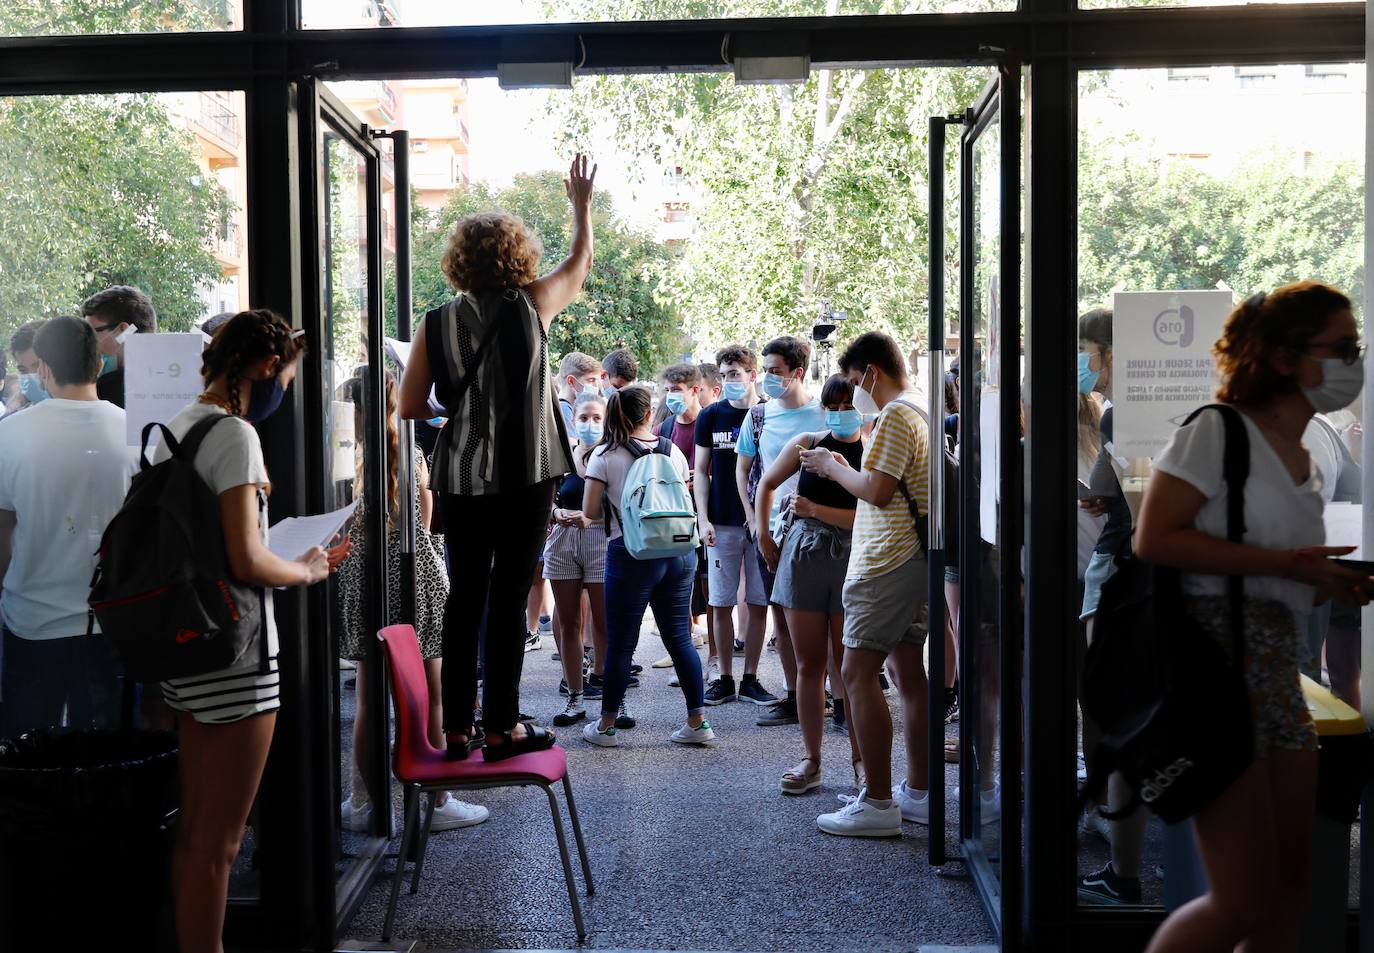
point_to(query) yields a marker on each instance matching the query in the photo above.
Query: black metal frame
(273, 62)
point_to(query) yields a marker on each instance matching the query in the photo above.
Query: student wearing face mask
(578, 374)
(681, 407)
(618, 369)
(575, 565)
(117, 314)
(811, 567)
(31, 390)
(790, 411)
(1282, 357)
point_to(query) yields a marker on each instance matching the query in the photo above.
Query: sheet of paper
(1344, 526)
(398, 351)
(296, 534)
(161, 376)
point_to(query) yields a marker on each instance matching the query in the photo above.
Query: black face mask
(266, 397)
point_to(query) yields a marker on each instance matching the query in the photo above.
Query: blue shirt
(781, 426)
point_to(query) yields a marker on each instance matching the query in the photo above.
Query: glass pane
(337, 14)
(92, 17)
(345, 274)
(1107, 4)
(980, 625)
(1210, 185)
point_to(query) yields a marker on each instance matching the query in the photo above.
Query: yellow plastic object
(1333, 716)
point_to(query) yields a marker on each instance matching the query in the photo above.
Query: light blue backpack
(656, 514)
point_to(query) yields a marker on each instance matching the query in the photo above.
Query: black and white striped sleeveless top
(506, 432)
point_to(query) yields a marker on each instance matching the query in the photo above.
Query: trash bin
(1345, 765)
(85, 840)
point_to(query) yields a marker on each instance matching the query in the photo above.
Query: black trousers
(494, 544)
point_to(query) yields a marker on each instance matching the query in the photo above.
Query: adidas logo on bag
(1164, 779)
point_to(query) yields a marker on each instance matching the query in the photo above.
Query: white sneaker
(355, 816)
(594, 735)
(674, 682)
(990, 804)
(454, 813)
(687, 735)
(915, 809)
(665, 662)
(859, 818)
(712, 669)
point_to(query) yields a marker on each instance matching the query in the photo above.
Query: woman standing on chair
(486, 357)
(225, 719)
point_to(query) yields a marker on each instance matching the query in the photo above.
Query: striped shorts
(229, 695)
(573, 553)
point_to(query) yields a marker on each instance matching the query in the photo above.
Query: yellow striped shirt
(885, 536)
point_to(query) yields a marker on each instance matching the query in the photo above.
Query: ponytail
(625, 410)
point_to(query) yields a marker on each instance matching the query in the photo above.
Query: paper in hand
(293, 536)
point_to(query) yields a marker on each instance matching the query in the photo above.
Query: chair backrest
(409, 693)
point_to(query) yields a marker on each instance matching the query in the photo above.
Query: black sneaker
(722, 690)
(533, 642)
(739, 646)
(636, 669)
(838, 720)
(573, 713)
(591, 687)
(882, 679)
(752, 690)
(951, 705)
(623, 719)
(633, 682)
(562, 686)
(1105, 888)
(783, 713)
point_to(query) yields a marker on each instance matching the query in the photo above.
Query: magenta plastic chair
(424, 769)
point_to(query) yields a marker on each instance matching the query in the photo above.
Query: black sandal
(536, 739)
(459, 750)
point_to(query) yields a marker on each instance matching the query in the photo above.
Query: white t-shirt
(64, 471)
(1278, 513)
(611, 469)
(1326, 456)
(230, 456)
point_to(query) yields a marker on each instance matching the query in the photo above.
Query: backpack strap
(190, 443)
(921, 523)
(665, 429)
(1235, 470)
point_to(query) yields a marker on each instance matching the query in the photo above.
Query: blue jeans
(633, 585)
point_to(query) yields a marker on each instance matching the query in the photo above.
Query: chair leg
(567, 862)
(412, 805)
(577, 833)
(424, 842)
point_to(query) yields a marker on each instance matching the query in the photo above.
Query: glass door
(976, 539)
(354, 397)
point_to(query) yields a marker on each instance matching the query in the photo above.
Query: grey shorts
(880, 613)
(573, 553)
(733, 553)
(812, 567)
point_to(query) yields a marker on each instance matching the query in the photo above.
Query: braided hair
(245, 339)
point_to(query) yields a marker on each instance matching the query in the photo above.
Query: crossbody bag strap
(906, 494)
(493, 328)
(1235, 470)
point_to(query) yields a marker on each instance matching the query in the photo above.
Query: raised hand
(580, 183)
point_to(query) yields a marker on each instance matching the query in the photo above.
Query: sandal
(536, 739)
(799, 781)
(459, 750)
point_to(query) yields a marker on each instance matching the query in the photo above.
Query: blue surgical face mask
(264, 400)
(436, 422)
(1087, 377)
(676, 402)
(589, 433)
(735, 390)
(607, 391)
(32, 388)
(844, 423)
(591, 390)
(774, 385)
(108, 363)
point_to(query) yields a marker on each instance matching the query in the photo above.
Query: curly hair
(492, 251)
(1285, 319)
(245, 339)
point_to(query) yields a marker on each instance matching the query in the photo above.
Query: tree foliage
(102, 190)
(63, 17)
(1147, 223)
(620, 305)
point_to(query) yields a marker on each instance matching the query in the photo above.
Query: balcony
(227, 245)
(217, 125)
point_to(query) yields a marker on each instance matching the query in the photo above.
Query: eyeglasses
(1348, 350)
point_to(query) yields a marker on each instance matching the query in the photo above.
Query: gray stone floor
(692, 849)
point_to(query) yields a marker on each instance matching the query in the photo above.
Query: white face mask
(863, 400)
(1341, 384)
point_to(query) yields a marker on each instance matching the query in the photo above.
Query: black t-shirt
(1116, 534)
(111, 387)
(718, 429)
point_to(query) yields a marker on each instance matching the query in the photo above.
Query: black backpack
(1173, 708)
(162, 591)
